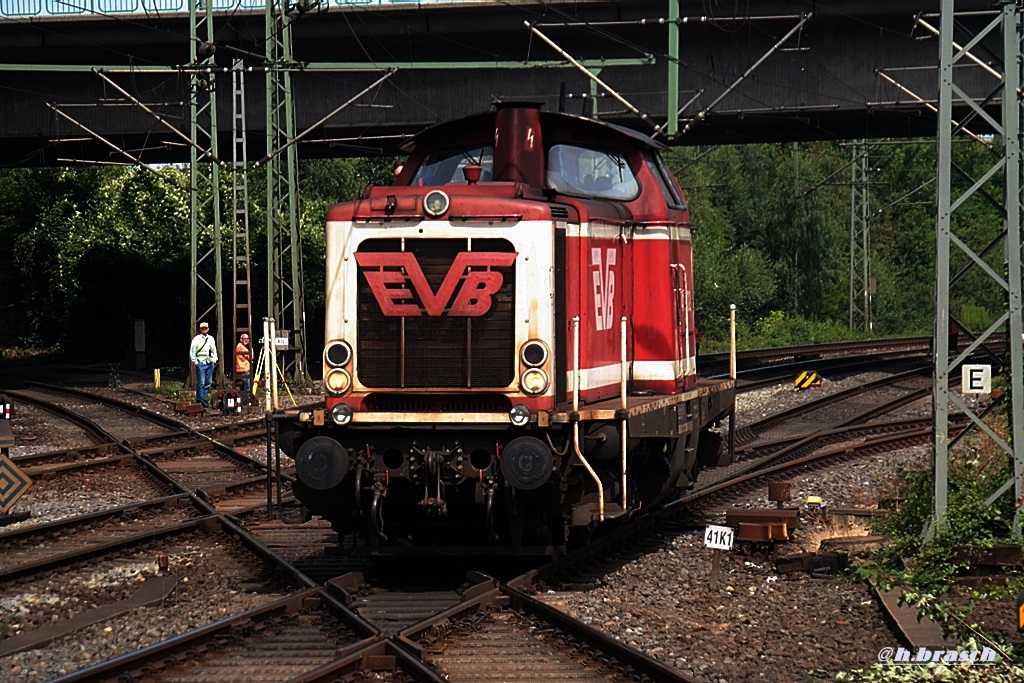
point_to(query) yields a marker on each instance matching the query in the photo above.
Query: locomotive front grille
(441, 350)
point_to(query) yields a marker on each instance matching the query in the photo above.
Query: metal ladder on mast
(240, 262)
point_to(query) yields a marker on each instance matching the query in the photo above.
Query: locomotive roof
(600, 129)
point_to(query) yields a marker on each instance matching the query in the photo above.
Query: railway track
(99, 586)
(505, 634)
(759, 358)
(223, 565)
(323, 628)
(765, 359)
(293, 636)
(855, 405)
(820, 446)
(302, 633)
(144, 445)
(31, 547)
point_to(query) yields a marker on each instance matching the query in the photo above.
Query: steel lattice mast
(860, 259)
(1004, 28)
(286, 303)
(207, 297)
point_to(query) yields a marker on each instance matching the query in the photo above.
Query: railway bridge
(83, 79)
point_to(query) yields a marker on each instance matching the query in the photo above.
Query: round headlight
(519, 415)
(534, 381)
(435, 203)
(337, 382)
(534, 353)
(338, 354)
(341, 414)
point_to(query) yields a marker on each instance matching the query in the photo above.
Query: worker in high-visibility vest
(243, 367)
(203, 354)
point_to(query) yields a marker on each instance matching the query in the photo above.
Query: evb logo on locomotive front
(395, 276)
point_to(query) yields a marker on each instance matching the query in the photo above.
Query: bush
(174, 391)
(778, 329)
(927, 570)
(936, 673)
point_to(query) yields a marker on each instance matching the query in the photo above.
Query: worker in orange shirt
(243, 367)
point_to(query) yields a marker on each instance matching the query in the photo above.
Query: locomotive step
(589, 512)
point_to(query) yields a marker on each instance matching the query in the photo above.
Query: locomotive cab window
(590, 172)
(656, 165)
(445, 166)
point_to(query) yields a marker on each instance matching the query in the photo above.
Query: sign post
(718, 538)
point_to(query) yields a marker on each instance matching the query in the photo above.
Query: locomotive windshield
(445, 166)
(589, 172)
(662, 175)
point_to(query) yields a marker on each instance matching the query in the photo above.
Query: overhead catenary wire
(644, 117)
(120, 150)
(206, 153)
(300, 136)
(928, 105)
(703, 114)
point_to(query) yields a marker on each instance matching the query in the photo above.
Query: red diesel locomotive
(511, 348)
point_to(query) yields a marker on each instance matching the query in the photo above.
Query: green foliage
(174, 391)
(766, 231)
(725, 276)
(929, 568)
(977, 317)
(66, 231)
(778, 329)
(927, 571)
(771, 235)
(936, 673)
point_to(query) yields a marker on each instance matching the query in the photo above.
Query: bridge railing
(57, 8)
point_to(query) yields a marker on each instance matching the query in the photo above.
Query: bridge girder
(854, 70)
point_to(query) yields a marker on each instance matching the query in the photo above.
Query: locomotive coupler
(489, 489)
(380, 491)
(434, 500)
(434, 463)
